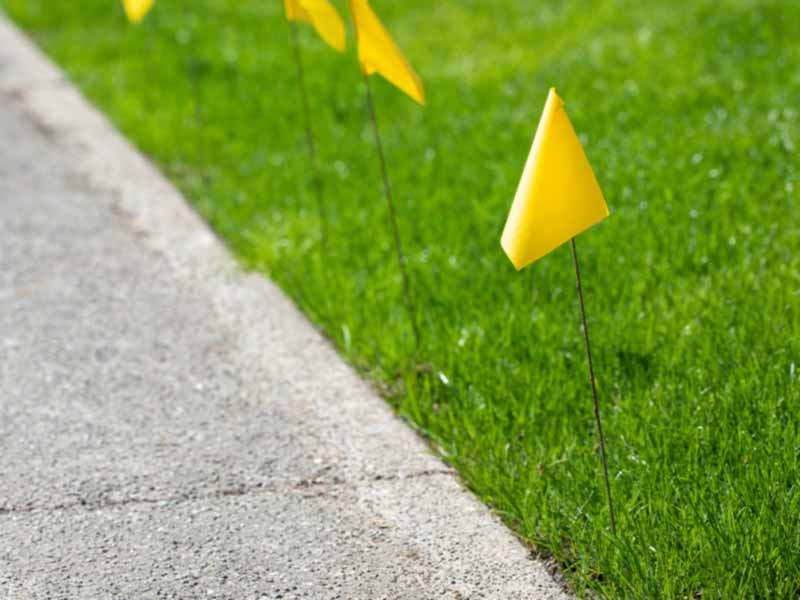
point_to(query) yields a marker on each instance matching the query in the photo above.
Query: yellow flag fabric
(378, 53)
(323, 16)
(137, 9)
(558, 196)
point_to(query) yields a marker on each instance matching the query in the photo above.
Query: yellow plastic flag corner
(323, 16)
(136, 10)
(378, 53)
(558, 196)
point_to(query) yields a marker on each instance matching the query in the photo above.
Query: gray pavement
(171, 427)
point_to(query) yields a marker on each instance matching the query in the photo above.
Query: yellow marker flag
(378, 53)
(323, 16)
(137, 9)
(558, 196)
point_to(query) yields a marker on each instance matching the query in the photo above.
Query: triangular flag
(323, 16)
(558, 196)
(137, 9)
(378, 53)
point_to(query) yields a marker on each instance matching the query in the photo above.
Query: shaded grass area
(689, 114)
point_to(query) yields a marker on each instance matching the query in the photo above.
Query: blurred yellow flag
(558, 196)
(378, 53)
(323, 16)
(137, 9)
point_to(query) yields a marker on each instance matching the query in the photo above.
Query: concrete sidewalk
(173, 428)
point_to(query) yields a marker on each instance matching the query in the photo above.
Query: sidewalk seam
(322, 488)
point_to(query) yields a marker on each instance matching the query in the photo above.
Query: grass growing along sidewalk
(689, 115)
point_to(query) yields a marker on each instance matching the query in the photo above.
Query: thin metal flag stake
(194, 68)
(194, 79)
(312, 148)
(594, 387)
(401, 259)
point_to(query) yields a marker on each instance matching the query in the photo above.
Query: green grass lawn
(689, 114)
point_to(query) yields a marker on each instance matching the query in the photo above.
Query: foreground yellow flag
(323, 16)
(137, 9)
(378, 53)
(558, 195)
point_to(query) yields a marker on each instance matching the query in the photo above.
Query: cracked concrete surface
(171, 427)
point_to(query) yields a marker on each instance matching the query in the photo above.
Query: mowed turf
(688, 111)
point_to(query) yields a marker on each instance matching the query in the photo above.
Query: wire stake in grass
(330, 27)
(387, 192)
(196, 69)
(196, 72)
(312, 150)
(598, 423)
(378, 53)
